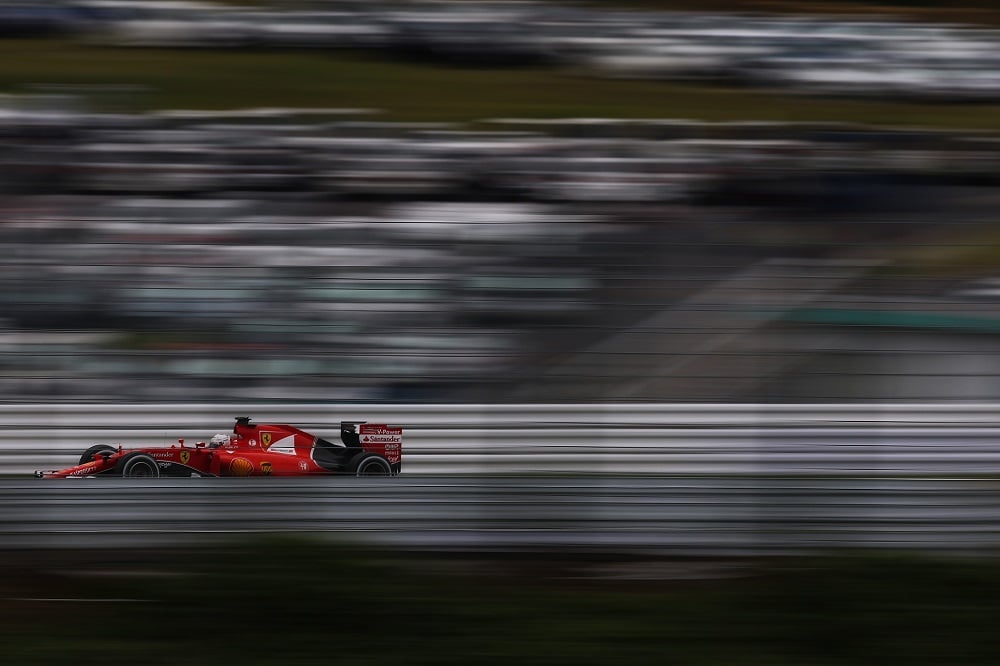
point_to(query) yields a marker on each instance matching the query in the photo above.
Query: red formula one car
(252, 450)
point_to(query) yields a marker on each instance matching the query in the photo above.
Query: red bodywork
(254, 450)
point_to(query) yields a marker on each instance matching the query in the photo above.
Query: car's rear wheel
(372, 465)
(91, 454)
(139, 465)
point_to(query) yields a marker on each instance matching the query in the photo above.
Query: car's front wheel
(91, 454)
(139, 465)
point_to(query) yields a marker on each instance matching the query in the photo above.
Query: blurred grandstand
(322, 254)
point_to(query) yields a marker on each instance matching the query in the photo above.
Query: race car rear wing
(385, 440)
(349, 433)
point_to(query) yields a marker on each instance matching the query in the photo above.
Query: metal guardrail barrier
(667, 516)
(828, 439)
(669, 478)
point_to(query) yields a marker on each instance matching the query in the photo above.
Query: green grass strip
(288, 602)
(408, 91)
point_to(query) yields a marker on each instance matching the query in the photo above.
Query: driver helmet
(221, 439)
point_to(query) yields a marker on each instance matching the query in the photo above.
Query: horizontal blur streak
(878, 56)
(701, 516)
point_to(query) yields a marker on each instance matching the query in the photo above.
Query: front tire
(139, 465)
(91, 454)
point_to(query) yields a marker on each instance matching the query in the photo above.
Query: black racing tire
(91, 453)
(370, 464)
(139, 465)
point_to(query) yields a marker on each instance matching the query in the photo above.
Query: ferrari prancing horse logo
(265, 439)
(185, 456)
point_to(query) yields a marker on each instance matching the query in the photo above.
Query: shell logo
(241, 467)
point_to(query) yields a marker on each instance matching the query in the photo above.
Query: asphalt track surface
(663, 515)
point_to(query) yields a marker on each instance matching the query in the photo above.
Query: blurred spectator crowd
(873, 56)
(325, 255)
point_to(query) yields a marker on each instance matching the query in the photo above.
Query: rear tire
(372, 465)
(139, 465)
(91, 454)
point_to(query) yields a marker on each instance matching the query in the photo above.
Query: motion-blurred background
(498, 201)
(534, 234)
